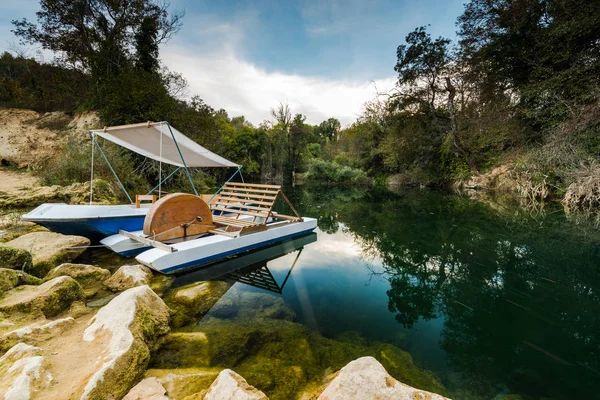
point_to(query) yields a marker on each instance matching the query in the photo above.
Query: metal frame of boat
(156, 140)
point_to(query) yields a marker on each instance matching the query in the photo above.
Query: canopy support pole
(92, 170)
(187, 171)
(164, 180)
(111, 168)
(160, 163)
(230, 178)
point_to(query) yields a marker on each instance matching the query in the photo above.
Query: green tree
(146, 44)
(99, 36)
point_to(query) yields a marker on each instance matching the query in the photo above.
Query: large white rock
(129, 276)
(124, 330)
(50, 249)
(366, 378)
(231, 386)
(148, 389)
(22, 371)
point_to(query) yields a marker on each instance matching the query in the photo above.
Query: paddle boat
(182, 232)
(155, 140)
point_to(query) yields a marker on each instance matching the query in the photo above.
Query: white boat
(182, 232)
(92, 221)
(156, 140)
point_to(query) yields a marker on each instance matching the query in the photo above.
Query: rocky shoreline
(71, 330)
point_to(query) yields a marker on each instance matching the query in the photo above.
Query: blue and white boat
(92, 221)
(156, 140)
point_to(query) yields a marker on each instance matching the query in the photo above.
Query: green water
(492, 299)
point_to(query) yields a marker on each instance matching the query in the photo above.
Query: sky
(325, 58)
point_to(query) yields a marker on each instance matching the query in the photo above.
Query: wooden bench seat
(247, 199)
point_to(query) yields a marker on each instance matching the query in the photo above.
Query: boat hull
(209, 249)
(94, 222)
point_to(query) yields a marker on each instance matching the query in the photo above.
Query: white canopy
(145, 139)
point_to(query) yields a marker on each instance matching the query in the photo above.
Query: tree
(422, 61)
(99, 36)
(297, 140)
(329, 129)
(544, 51)
(146, 44)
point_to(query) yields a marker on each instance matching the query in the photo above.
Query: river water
(495, 299)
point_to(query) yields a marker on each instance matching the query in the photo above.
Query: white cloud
(224, 80)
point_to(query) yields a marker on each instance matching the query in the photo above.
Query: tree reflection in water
(518, 293)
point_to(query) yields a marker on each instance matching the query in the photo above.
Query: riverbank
(71, 330)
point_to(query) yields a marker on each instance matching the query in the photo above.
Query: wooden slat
(265, 209)
(254, 185)
(149, 242)
(288, 217)
(250, 196)
(233, 221)
(250, 190)
(242, 201)
(254, 214)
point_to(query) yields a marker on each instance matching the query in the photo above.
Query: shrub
(321, 171)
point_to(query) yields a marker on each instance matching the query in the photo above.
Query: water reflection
(251, 268)
(514, 295)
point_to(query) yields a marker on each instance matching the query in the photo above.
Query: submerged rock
(129, 276)
(23, 372)
(183, 349)
(231, 386)
(50, 298)
(279, 357)
(366, 378)
(50, 249)
(14, 258)
(147, 389)
(10, 278)
(194, 300)
(185, 383)
(125, 331)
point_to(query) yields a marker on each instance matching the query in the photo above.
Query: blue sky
(318, 56)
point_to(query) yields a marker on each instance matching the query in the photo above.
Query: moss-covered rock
(280, 357)
(147, 389)
(34, 333)
(401, 366)
(10, 278)
(181, 350)
(85, 275)
(15, 258)
(185, 383)
(49, 249)
(49, 298)
(194, 300)
(23, 372)
(230, 385)
(124, 332)
(129, 276)
(366, 378)
(89, 277)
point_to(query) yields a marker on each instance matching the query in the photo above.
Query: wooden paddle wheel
(178, 215)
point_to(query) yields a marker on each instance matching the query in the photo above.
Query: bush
(321, 171)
